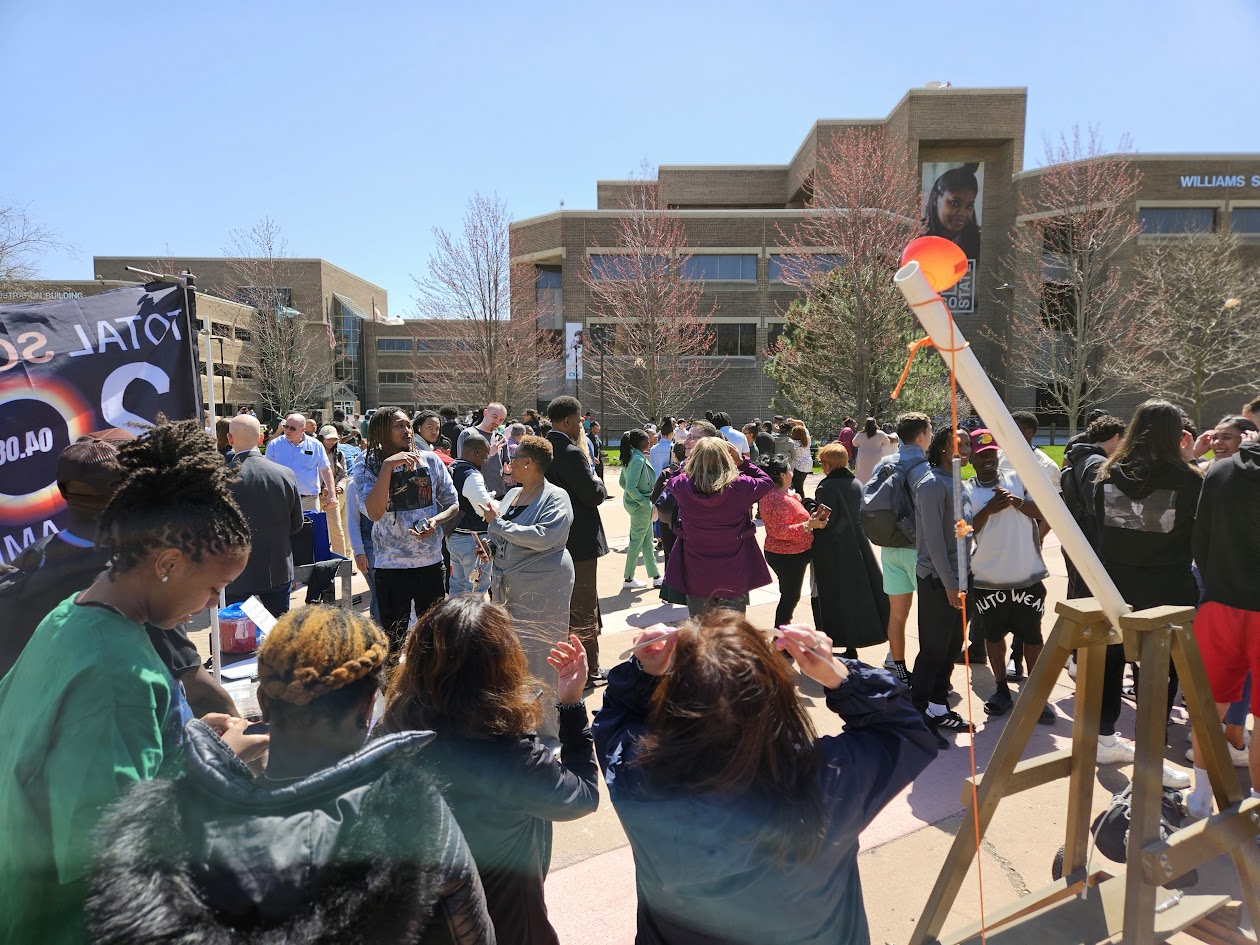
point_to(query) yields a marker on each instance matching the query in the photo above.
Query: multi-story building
(736, 220)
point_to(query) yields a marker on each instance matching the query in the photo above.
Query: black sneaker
(1047, 716)
(976, 656)
(951, 721)
(1000, 704)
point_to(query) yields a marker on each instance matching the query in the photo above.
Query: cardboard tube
(935, 318)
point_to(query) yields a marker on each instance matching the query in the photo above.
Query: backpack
(887, 514)
(1074, 497)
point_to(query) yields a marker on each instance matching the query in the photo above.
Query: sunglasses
(294, 429)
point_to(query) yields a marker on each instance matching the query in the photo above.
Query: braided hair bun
(317, 650)
(174, 494)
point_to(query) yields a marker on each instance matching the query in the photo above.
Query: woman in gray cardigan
(533, 573)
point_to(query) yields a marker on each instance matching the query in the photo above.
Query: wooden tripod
(1131, 905)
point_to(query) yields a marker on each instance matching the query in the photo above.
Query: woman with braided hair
(89, 708)
(467, 678)
(332, 842)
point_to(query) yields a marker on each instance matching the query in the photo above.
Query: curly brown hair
(322, 658)
(464, 672)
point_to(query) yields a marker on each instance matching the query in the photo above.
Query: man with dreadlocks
(88, 706)
(332, 843)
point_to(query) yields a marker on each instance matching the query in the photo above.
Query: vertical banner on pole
(75, 366)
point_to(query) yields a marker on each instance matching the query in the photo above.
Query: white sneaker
(1119, 753)
(1239, 756)
(634, 584)
(657, 581)
(1071, 666)
(888, 661)
(1176, 778)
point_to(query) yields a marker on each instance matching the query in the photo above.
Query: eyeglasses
(293, 429)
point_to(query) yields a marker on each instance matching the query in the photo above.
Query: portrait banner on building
(953, 200)
(574, 342)
(77, 366)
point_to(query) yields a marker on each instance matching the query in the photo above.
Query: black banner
(78, 366)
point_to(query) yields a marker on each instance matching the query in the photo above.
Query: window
(243, 336)
(735, 340)
(800, 265)
(773, 333)
(1165, 220)
(601, 336)
(724, 268)
(547, 289)
(393, 377)
(222, 370)
(393, 344)
(1245, 221)
(220, 329)
(1058, 306)
(606, 267)
(244, 372)
(440, 344)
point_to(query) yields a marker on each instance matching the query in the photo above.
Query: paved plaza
(590, 890)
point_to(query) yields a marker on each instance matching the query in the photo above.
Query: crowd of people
(408, 767)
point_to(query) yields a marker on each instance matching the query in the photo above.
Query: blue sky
(134, 128)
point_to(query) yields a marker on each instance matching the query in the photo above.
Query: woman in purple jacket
(716, 560)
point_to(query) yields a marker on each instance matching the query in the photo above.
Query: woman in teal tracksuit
(637, 480)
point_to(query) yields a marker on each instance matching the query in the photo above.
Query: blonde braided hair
(318, 649)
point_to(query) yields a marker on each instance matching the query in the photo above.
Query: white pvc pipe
(935, 318)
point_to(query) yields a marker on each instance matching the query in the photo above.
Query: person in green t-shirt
(88, 707)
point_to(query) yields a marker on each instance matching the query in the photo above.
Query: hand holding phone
(422, 529)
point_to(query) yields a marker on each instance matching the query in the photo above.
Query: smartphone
(824, 512)
(420, 527)
(258, 728)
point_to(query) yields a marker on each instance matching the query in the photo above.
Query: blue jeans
(464, 562)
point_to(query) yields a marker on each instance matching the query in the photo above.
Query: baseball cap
(94, 463)
(982, 440)
(329, 431)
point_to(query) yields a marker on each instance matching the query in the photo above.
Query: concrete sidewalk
(591, 893)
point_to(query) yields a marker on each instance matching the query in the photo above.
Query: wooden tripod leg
(1090, 662)
(1211, 741)
(992, 786)
(1148, 783)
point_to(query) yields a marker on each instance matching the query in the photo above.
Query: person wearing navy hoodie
(1227, 628)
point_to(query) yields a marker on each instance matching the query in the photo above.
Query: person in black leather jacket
(333, 842)
(465, 676)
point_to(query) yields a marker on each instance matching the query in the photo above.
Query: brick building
(735, 218)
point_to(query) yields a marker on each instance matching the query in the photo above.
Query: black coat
(851, 606)
(268, 496)
(570, 470)
(360, 853)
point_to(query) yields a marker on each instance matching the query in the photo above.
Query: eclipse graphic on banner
(71, 367)
(953, 195)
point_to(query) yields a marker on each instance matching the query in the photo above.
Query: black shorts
(1017, 611)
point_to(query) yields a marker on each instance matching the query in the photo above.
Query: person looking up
(492, 469)
(763, 440)
(728, 796)
(475, 503)
(306, 456)
(466, 678)
(586, 543)
(1251, 411)
(636, 497)
(409, 496)
(212, 854)
(89, 707)
(716, 559)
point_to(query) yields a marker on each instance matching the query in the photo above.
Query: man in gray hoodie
(940, 603)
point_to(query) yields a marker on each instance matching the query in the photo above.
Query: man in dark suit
(268, 495)
(571, 470)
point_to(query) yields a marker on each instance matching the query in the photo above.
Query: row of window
(707, 267)
(730, 339)
(1163, 221)
(421, 345)
(226, 331)
(242, 372)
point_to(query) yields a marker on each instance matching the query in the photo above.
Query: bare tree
(291, 365)
(845, 335)
(1201, 299)
(22, 241)
(657, 343)
(496, 353)
(1072, 330)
